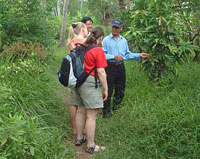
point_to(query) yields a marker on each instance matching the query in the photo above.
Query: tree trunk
(107, 18)
(63, 27)
(121, 5)
(58, 8)
(128, 4)
(81, 6)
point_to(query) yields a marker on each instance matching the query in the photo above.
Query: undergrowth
(33, 119)
(156, 120)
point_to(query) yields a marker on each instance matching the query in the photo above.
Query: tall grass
(33, 119)
(156, 120)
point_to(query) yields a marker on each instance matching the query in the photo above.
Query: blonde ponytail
(71, 35)
(74, 31)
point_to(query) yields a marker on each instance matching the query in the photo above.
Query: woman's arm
(102, 77)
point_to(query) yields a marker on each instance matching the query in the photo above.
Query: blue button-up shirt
(113, 47)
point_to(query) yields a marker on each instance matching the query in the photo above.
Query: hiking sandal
(94, 149)
(79, 142)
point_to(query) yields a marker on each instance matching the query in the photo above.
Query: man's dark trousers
(116, 79)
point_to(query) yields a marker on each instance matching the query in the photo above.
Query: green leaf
(151, 27)
(32, 150)
(4, 140)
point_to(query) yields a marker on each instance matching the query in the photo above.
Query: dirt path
(64, 95)
(81, 154)
(80, 150)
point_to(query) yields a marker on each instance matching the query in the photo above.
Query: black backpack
(72, 71)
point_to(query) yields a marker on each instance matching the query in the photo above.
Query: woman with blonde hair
(77, 36)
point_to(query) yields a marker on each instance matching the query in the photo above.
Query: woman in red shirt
(77, 35)
(91, 97)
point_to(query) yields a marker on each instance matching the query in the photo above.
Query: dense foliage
(158, 28)
(94, 8)
(156, 120)
(32, 116)
(22, 20)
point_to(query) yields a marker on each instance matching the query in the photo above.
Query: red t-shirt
(72, 45)
(95, 57)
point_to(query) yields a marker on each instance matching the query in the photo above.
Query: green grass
(156, 120)
(33, 115)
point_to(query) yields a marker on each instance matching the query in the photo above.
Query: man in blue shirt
(116, 50)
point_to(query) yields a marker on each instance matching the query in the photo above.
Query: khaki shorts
(73, 99)
(87, 95)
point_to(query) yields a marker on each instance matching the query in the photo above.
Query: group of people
(108, 57)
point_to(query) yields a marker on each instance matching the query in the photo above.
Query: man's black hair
(85, 19)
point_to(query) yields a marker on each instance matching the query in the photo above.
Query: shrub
(20, 50)
(32, 115)
(21, 137)
(28, 21)
(156, 28)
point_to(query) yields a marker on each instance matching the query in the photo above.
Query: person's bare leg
(80, 121)
(72, 116)
(90, 126)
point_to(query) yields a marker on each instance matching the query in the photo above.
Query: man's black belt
(115, 63)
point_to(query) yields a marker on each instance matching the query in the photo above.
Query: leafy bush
(20, 50)
(157, 29)
(22, 138)
(26, 21)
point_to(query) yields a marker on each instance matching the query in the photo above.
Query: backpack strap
(94, 69)
(90, 47)
(95, 77)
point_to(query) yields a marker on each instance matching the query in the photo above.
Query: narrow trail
(81, 154)
(63, 92)
(80, 150)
